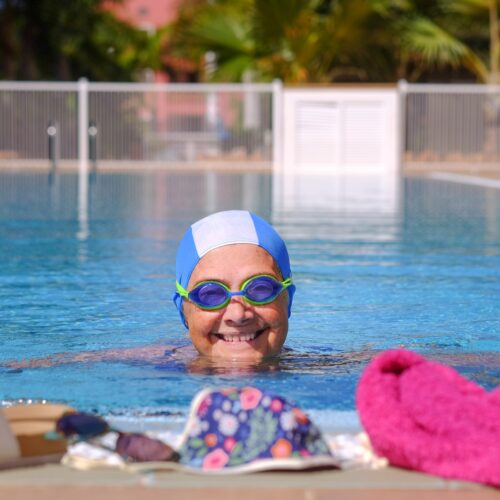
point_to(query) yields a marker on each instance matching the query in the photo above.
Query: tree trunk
(494, 42)
(8, 46)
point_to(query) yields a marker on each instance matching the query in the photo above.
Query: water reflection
(179, 194)
(343, 193)
(83, 206)
(350, 208)
(290, 361)
(157, 194)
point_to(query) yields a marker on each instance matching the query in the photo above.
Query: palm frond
(387, 8)
(467, 7)
(221, 31)
(232, 70)
(430, 43)
(427, 42)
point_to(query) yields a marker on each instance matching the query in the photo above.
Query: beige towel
(22, 434)
(9, 446)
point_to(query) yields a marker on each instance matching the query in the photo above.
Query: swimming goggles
(212, 295)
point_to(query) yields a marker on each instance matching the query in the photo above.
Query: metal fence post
(92, 135)
(54, 145)
(277, 124)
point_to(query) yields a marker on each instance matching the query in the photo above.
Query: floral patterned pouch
(249, 429)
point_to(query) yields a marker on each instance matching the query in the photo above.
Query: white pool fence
(451, 124)
(134, 122)
(345, 128)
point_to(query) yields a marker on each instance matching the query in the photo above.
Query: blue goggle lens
(262, 289)
(213, 295)
(208, 295)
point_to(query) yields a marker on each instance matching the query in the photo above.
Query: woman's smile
(240, 336)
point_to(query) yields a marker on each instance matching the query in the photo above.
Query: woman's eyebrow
(210, 280)
(273, 274)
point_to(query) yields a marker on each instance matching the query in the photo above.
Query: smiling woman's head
(234, 290)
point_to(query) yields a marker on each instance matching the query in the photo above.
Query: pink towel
(424, 416)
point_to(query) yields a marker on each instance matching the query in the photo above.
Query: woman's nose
(238, 312)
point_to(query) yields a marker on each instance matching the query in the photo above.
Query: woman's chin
(243, 351)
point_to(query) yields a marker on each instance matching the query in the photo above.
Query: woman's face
(240, 330)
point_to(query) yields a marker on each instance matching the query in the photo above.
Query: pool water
(378, 263)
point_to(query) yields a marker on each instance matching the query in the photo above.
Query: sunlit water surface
(378, 263)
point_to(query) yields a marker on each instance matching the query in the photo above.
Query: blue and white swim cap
(228, 228)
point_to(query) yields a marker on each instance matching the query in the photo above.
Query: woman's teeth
(241, 337)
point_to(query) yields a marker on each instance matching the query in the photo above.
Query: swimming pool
(378, 263)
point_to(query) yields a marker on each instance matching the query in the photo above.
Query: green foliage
(336, 40)
(298, 41)
(468, 7)
(48, 40)
(431, 43)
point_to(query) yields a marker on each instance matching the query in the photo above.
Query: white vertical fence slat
(83, 123)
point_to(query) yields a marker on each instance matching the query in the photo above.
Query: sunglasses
(212, 295)
(130, 446)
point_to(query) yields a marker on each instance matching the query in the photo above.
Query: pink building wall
(146, 14)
